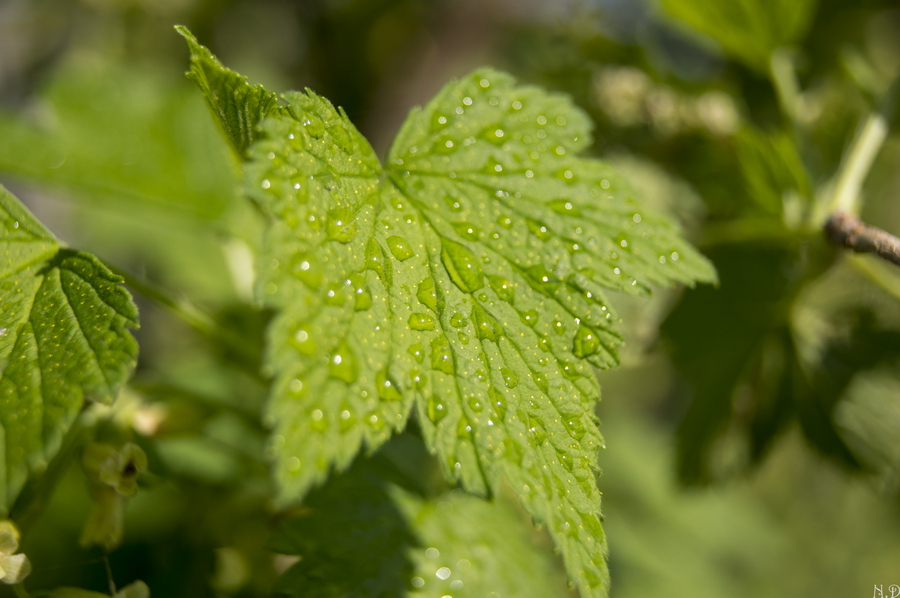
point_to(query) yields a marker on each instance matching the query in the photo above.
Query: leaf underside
(63, 339)
(464, 279)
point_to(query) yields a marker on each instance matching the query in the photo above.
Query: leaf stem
(784, 79)
(196, 318)
(860, 155)
(863, 149)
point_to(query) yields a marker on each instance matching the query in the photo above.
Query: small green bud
(113, 475)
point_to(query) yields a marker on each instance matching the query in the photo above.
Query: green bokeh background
(113, 149)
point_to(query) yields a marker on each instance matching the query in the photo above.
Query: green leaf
(401, 544)
(63, 339)
(746, 351)
(772, 169)
(369, 559)
(748, 30)
(238, 106)
(463, 280)
(471, 548)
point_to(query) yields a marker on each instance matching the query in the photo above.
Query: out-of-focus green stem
(883, 276)
(195, 318)
(863, 149)
(784, 78)
(858, 159)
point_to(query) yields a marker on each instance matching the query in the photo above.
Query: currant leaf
(63, 339)
(464, 280)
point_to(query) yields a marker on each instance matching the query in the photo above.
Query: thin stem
(873, 269)
(865, 146)
(21, 592)
(858, 159)
(784, 78)
(194, 317)
(109, 576)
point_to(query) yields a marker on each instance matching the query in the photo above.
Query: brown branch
(849, 231)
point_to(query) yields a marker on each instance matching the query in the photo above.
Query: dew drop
(387, 388)
(467, 231)
(538, 229)
(417, 351)
(541, 381)
(314, 126)
(485, 326)
(529, 317)
(400, 248)
(334, 295)
(362, 299)
(421, 321)
(347, 421)
(426, 294)
(564, 207)
(452, 203)
(462, 266)
(340, 225)
(540, 273)
(317, 420)
(537, 435)
(441, 357)
(498, 402)
(586, 342)
(575, 427)
(503, 287)
(510, 378)
(568, 370)
(342, 364)
(457, 320)
(417, 379)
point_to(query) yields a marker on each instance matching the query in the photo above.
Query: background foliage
(773, 396)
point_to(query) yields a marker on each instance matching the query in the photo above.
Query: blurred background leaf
(793, 356)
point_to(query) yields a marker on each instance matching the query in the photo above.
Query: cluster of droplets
(444, 577)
